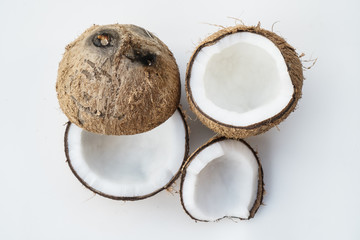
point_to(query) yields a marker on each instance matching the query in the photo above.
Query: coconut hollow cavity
(118, 79)
(241, 81)
(128, 167)
(222, 179)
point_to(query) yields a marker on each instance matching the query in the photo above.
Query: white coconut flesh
(128, 166)
(221, 181)
(241, 80)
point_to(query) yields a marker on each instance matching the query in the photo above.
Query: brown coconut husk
(168, 185)
(260, 190)
(295, 71)
(129, 86)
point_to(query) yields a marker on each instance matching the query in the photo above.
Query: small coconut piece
(222, 179)
(243, 80)
(118, 79)
(128, 167)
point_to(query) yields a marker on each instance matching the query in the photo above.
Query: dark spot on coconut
(102, 40)
(144, 57)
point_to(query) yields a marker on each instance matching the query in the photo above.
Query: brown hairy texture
(186, 154)
(294, 69)
(118, 80)
(260, 189)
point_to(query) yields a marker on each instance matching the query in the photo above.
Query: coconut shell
(168, 185)
(118, 80)
(295, 71)
(260, 190)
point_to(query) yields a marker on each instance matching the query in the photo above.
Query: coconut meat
(221, 181)
(128, 166)
(240, 80)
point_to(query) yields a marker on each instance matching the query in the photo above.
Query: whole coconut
(118, 79)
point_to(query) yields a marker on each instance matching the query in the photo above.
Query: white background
(311, 165)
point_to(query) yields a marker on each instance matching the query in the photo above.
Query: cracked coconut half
(118, 79)
(241, 81)
(129, 167)
(222, 179)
